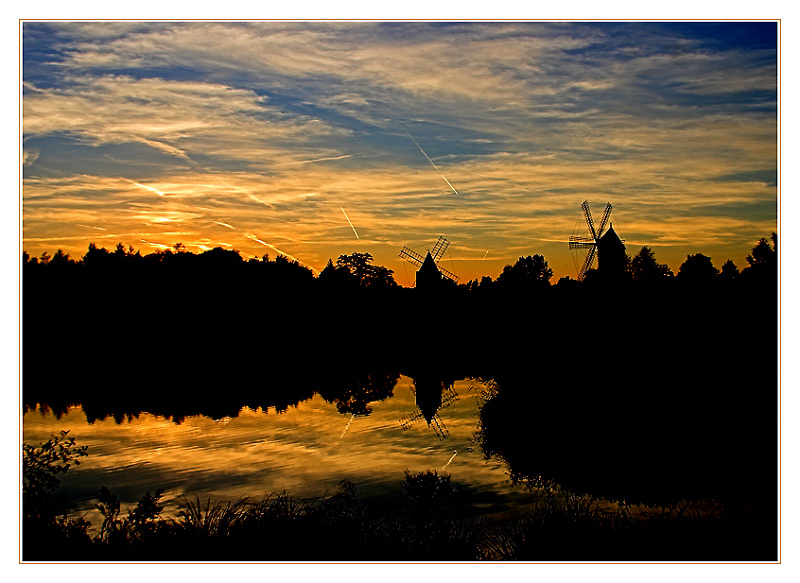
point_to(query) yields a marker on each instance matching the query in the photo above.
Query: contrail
(455, 453)
(159, 245)
(485, 254)
(150, 188)
(223, 225)
(292, 257)
(172, 150)
(348, 426)
(316, 160)
(351, 224)
(259, 201)
(431, 161)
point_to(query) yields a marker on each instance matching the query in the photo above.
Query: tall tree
(645, 268)
(763, 260)
(526, 272)
(762, 253)
(368, 275)
(729, 271)
(697, 269)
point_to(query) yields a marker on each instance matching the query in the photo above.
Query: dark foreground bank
(431, 524)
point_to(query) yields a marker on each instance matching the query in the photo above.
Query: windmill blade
(448, 275)
(439, 249)
(588, 214)
(606, 214)
(412, 256)
(441, 245)
(449, 396)
(438, 427)
(407, 422)
(588, 263)
(576, 242)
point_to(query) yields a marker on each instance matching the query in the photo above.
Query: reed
(429, 526)
(217, 520)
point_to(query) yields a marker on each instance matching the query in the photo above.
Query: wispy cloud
(255, 125)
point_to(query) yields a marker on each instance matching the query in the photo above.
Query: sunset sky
(316, 139)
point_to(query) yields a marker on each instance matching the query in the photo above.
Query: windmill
(431, 396)
(602, 242)
(429, 264)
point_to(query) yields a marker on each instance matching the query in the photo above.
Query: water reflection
(654, 455)
(303, 450)
(351, 389)
(650, 414)
(432, 394)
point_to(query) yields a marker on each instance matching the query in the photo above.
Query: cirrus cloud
(272, 128)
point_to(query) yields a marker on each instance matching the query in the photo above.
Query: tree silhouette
(762, 261)
(360, 266)
(527, 272)
(353, 390)
(762, 253)
(60, 259)
(96, 257)
(697, 269)
(729, 271)
(220, 257)
(337, 276)
(645, 268)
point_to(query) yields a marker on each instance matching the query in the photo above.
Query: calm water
(305, 451)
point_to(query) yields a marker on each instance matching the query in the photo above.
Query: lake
(305, 451)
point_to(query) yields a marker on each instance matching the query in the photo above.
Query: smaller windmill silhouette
(431, 396)
(429, 264)
(599, 242)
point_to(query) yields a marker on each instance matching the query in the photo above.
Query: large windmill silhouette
(601, 242)
(429, 268)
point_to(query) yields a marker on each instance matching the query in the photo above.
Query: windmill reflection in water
(432, 394)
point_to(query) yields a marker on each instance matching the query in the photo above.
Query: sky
(316, 139)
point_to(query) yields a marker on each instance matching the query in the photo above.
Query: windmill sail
(449, 275)
(588, 214)
(591, 241)
(431, 396)
(438, 250)
(599, 237)
(606, 214)
(412, 256)
(587, 264)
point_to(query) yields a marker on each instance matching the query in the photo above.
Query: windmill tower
(431, 396)
(601, 242)
(429, 272)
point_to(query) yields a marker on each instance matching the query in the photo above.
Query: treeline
(218, 266)
(175, 318)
